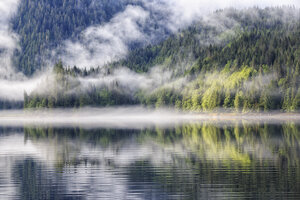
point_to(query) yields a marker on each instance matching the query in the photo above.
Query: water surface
(198, 160)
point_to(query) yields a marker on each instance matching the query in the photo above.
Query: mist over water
(134, 117)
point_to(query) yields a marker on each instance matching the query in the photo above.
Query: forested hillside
(251, 64)
(43, 24)
(263, 39)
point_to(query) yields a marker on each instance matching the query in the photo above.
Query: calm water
(189, 161)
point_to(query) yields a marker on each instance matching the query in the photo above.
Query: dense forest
(43, 24)
(250, 66)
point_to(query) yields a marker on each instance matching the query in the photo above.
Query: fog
(134, 117)
(99, 45)
(185, 11)
(131, 82)
(14, 89)
(8, 39)
(12, 83)
(106, 43)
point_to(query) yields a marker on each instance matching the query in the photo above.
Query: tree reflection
(203, 160)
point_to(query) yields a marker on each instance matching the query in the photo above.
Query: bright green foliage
(256, 68)
(238, 101)
(211, 99)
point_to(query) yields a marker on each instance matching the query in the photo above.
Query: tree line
(256, 68)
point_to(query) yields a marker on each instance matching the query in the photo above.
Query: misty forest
(149, 99)
(234, 59)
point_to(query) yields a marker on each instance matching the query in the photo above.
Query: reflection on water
(191, 161)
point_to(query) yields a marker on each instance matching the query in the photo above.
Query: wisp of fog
(133, 117)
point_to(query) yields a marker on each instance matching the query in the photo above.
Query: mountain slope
(244, 38)
(250, 63)
(43, 24)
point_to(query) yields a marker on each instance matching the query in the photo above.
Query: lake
(190, 160)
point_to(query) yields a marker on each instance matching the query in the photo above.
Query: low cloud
(185, 11)
(129, 80)
(12, 83)
(13, 90)
(8, 39)
(101, 44)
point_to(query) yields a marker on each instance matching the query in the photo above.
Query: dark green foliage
(43, 24)
(264, 40)
(8, 104)
(67, 92)
(270, 48)
(256, 68)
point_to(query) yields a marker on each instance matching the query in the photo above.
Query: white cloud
(12, 84)
(8, 39)
(14, 89)
(108, 42)
(185, 11)
(7, 8)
